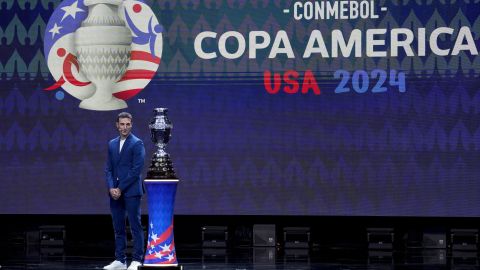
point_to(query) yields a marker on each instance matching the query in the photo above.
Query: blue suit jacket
(124, 169)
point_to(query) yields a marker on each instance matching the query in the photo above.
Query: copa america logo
(102, 52)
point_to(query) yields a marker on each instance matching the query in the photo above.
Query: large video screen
(329, 108)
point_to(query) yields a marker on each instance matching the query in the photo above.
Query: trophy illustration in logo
(103, 52)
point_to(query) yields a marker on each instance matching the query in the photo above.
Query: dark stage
(333, 243)
(258, 258)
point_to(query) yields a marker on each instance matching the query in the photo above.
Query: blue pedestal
(160, 252)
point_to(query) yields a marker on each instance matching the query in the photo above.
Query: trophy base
(96, 104)
(161, 167)
(162, 267)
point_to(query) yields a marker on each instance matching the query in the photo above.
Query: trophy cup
(160, 130)
(103, 45)
(161, 184)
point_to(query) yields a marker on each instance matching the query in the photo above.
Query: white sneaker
(134, 265)
(116, 265)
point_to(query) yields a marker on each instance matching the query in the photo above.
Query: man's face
(124, 126)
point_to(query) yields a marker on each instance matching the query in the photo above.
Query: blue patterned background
(240, 150)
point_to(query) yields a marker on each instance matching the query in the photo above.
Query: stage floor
(243, 258)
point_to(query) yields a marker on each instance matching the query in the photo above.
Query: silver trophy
(160, 129)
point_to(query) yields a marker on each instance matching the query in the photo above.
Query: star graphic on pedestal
(165, 248)
(154, 237)
(71, 10)
(158, 255)
(170, 257)
(151, 225)
(55, 30)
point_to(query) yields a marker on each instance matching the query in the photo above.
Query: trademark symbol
(141, 101)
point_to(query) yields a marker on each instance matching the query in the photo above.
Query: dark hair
(124, 115)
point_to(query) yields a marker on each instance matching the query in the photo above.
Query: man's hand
(118, 192)
(115, 193)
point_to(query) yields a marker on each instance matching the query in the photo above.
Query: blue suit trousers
(121, 209)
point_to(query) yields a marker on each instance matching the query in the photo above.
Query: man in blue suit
(126, 155)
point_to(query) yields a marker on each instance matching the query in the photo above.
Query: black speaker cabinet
(296, 237)
(214, 236)
(434, 240)
(380, 238)
(464, 239)
(52, 235)
(264, 235)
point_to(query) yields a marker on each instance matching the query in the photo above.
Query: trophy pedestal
(160, 252)
(161, 185)
(144, 267)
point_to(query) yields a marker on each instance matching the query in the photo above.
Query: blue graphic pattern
(240, 149)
